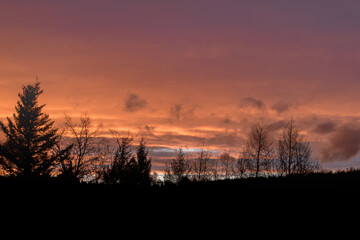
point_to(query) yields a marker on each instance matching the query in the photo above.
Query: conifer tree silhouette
(30, 137)
(143, 167)
(118, 171)
(128, 167)
(178, 168)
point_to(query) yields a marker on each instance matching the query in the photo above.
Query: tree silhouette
(304, 163)
(86, 148)
(128, 168)
(287, 144)
(119, 170)
(30, 138)
(243, 165)
(202, 166)
(258, 146)
(227, 164)
(294, 152)
(178, 168)
(143, 165)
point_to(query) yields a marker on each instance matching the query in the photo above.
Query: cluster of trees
(260, 157)
(34, 147)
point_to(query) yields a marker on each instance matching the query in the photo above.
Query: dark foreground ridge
(337, 180)
(273, 196)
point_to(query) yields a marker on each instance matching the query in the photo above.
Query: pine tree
(128, 168)
(143, 167)
(121, 167)
(30, 137)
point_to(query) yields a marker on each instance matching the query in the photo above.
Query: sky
(184, 73)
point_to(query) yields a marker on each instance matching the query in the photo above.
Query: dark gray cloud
(175, 111)
(149, 128)
(226, 120)
(325, 127)
(146, 131)
(134, 103)
(179, 112)
(252, 102)
(344, 143)
(282, 106)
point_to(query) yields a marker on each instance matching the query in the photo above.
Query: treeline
(292, 155)
(33, 147)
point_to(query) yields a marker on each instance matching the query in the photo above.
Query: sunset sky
(184, 72)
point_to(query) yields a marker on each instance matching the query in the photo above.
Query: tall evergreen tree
(129, 168)
(120, 168)
(143, 167)
(30, 137)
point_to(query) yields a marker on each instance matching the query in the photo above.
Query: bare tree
(294, 152)
(243, 165)
(227, 163)
(215, 169)
(304, 162)
(202, 165)
(88, 149)
(178, 168)
(258, 146)
(287, 145)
